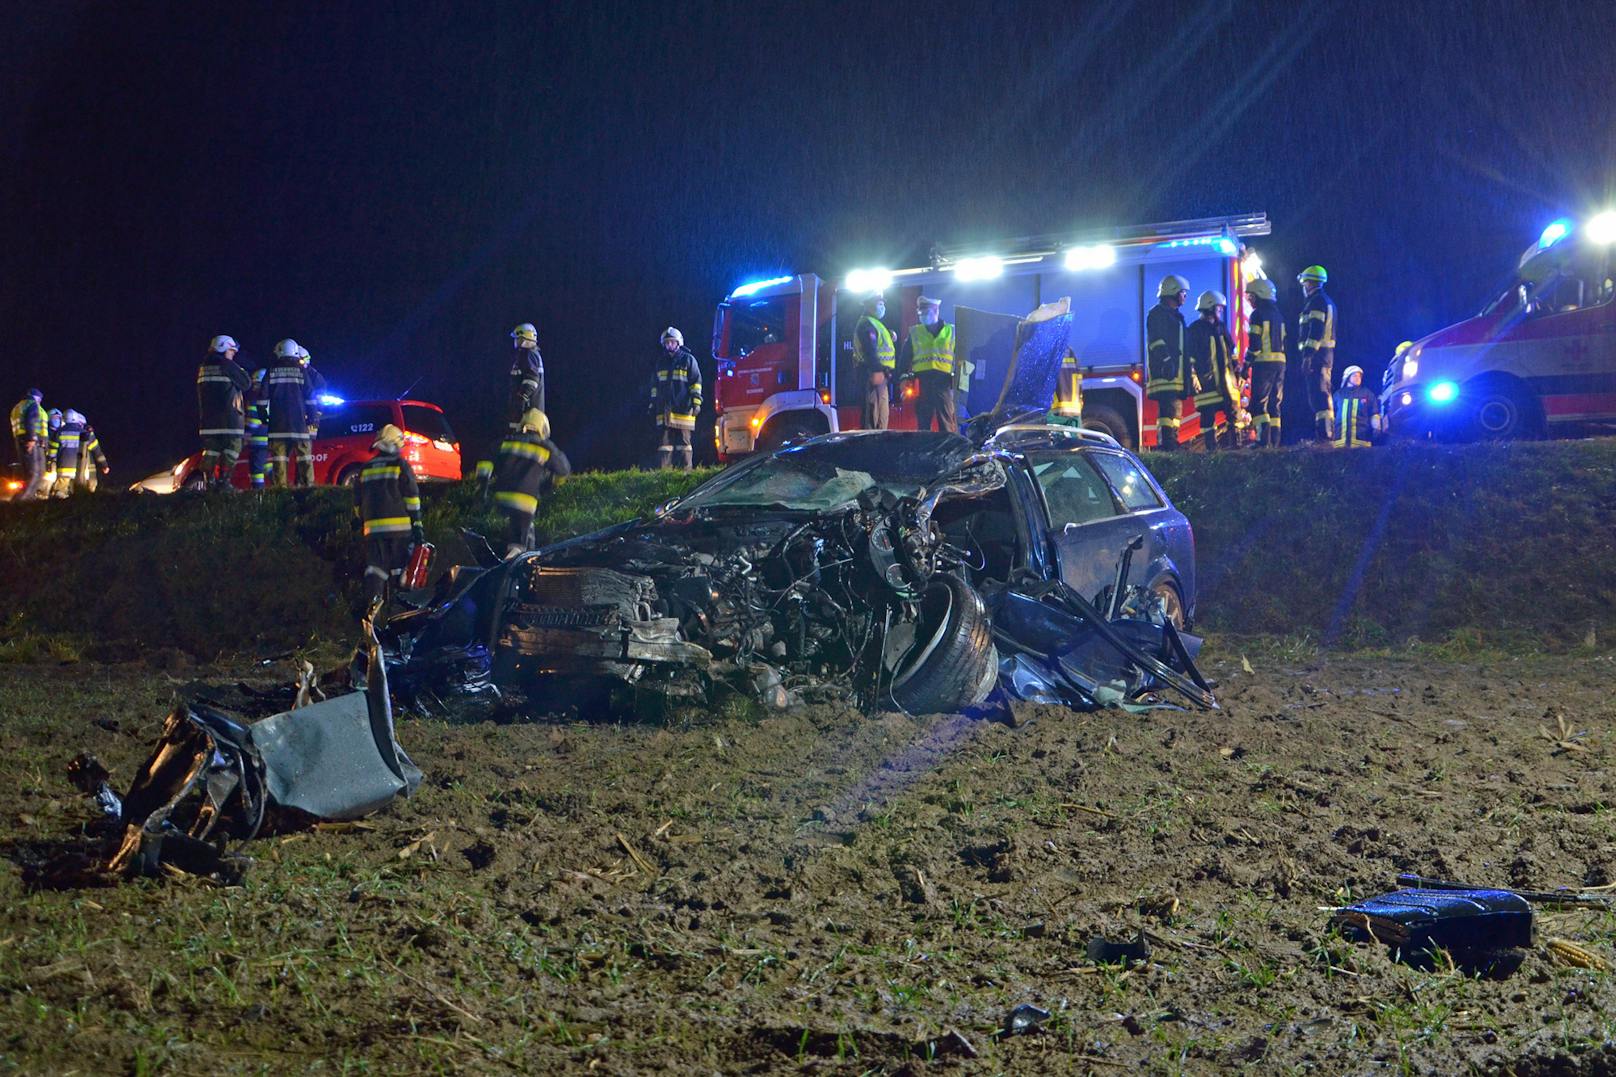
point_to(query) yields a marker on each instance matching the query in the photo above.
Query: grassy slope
(1495, 543)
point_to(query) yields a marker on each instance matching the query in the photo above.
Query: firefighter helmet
(222, 344)
(1261, 287)
(1172, 284)
(1347, 374)
(525, 333)
(1401, 348)
(54, 418)
(302, 355)
(389, 437)
(670, 333)
(1316, 274)
(535, 421)
(1210, 300)
(71, 416)
(286, 349)
(37, 394)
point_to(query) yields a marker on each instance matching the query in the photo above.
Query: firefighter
(1210, 352)
(388, 504)
(78, 455)
(1067, 407)
(30, 433)
(1357, 412)
(313, 403)
(258, 432)
(928, 357)
(286, 391)
(529, 464)
(675, 399)
(1315, 340)
(877, 356)
(1171, 378)
(220, 386)
(53, 423)
(1265, 355)
(527, 374)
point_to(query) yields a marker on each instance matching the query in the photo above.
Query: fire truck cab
(1540, 359)
(783, 347)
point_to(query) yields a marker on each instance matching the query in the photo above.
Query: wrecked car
(927, 572)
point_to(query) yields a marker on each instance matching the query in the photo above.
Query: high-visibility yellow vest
(1068, 401)
(886, 348)
(932, 352)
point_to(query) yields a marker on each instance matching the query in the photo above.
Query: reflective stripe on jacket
(886, 346)
(931, 351)
(527, 465)
(1211, 355)
(1068, 402)
(1315, 326)
(527, 382)
(28, 420)
(676, 393)
(1265, 333)
(219, 385)
(1354, 410)
(1164, 350)
(387, 498)
(286, 390)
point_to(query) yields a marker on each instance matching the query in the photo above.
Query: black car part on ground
(214, 777)
(1482, 931)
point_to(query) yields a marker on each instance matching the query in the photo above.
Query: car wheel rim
(1171, 607)
(1496, 416)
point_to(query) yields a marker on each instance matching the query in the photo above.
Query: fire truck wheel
(1500, 410)
(952, 662)
(1108, 421)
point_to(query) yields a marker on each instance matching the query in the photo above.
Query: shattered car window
(1131, 485)
(1073, 493)
(832, 471)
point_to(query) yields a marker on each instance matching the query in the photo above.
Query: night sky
(395, 186)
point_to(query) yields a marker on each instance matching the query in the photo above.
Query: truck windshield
(754, 323)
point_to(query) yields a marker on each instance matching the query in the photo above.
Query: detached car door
(1086, 525)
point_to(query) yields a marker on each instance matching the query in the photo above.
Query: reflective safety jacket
(1068, 402)
(676, 393)
(1210, 351)
(1315, 330)
(527, 466)
(220, 383)
(1164, 348)
(388, 501)
(314, 386)
(527, 382)
(926, 350)
(1355, 410)
(1265, 333)
(258, 422)
(75, 438)
(29, 422)
(286, 390)
(874, 345)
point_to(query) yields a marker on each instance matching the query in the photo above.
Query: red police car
(347, 430)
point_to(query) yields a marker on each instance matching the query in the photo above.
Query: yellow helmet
(389, 437)
(535, 421)
(1315, 274)
(1172, 284)
(525, 332)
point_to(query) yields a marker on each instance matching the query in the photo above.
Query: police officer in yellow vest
(876, 352)
(928, 356)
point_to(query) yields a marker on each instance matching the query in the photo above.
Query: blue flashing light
(329, 400)
(753, 287)
(1226, 246)
(1443, 392)
(1554, 233)
(1223, 244)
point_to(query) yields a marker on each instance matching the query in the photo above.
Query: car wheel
(786, 430)
(194, 482)
(349, 477)
(1500, 411)
(1108, 421)
(952, 662)
(1172, 604)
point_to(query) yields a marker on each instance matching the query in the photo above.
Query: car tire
(1108, 421)
(1500, 411)
(194, 483)
(953, 662)
(777, 434)
(1172, 603)
(349, 477)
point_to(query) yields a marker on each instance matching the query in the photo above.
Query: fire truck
(783, 347)
(1539, 359)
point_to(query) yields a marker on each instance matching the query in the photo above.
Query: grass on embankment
(1490, 545)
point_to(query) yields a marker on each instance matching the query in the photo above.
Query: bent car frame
(917, 571)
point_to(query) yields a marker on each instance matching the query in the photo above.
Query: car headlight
(176, 469)
(1411, 367)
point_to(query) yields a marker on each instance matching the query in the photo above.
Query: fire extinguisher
(419, 568)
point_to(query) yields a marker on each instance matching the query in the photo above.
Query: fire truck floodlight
(1602, 229)
(1097, 256)
(1554, 233)
(753, 287)
(984, 268)
(869, 280)
(1251, 265)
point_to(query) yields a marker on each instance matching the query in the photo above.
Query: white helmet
(303, 355)
(670, 333)
(1262, 288)
(1349, 372)
(1210, 299)
(222, 344)
(71, 416)
(287, 349)
(1171, 284)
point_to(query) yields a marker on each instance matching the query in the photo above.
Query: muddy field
(815, 890)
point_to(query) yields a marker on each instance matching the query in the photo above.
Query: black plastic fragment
(1103, 951)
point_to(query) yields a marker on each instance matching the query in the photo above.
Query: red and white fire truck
(1540, 359)
(783, 347)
